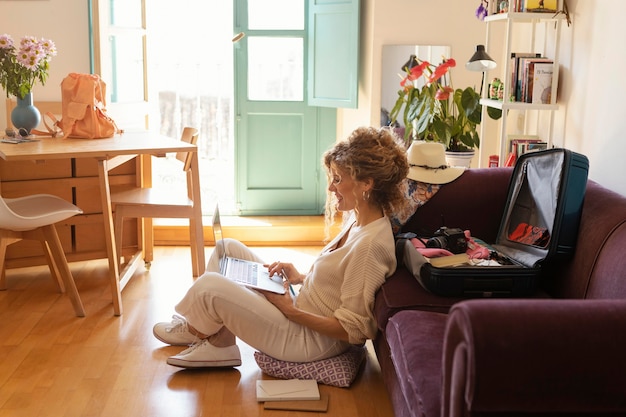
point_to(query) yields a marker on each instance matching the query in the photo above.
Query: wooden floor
(55, 364)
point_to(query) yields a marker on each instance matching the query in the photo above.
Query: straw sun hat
(427, 161)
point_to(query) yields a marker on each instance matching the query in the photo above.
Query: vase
(25, 115)
(459, 159)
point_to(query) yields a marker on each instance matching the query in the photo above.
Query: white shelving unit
(551, 24)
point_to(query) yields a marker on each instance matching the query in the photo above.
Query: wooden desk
(109, 154)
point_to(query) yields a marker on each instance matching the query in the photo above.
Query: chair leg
(3, 273)
(148, 243)
(196, 235)
(56, 250)
(54, 270)
(118, 226)
(196, 230)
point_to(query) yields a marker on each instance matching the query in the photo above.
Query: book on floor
(320, 405)
(287, 390)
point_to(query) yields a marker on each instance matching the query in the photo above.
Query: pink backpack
(84, 108)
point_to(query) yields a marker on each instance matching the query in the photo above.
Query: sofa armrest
(528, 356)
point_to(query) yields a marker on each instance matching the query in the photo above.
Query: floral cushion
(338, 371)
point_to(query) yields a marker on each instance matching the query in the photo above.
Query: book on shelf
(540, 6)
(521, 6)
(540, 82)
(510, 160)
(523, 148)
(492, 7)
(515, 57)
(515, 5)
(514, 139)
(521, 144)
(522, 87)
(539, 146)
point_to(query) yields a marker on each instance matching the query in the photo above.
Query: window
(190, 70)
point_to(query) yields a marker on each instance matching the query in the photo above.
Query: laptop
(248, 273)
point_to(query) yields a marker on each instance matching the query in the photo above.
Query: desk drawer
(60, 187)
(31, 170)
(88, 167)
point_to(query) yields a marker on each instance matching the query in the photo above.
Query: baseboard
(253, 231)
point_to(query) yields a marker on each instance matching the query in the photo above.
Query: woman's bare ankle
(223, 338)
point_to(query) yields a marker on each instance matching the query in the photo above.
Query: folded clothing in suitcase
(539, 224)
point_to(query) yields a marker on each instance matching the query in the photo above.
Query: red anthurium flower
(415, 73)
(442, 69)
(443, 93)
(418, 70)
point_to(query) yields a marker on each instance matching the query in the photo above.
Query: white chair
(172, 202)
(33, 218)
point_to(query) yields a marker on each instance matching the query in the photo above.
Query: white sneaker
(204, 355)
(175, 332)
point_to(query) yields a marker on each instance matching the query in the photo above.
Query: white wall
(65, 22)
(591, 119)
(593, 87)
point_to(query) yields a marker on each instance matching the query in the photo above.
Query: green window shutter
(333, 36)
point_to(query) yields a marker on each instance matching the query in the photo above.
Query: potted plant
(432, 110)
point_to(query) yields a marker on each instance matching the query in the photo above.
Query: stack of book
(291, 394)
(524, 6)
(521, 144)
(531, 78)
(536, 6)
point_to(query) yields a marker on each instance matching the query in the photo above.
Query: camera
(452, 239)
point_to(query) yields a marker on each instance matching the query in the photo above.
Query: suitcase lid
(544, 204)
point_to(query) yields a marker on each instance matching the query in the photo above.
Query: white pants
(213, 302)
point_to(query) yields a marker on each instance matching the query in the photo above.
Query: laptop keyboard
(242, 271)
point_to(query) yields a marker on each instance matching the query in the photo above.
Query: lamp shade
(480, 61)
(412, 62)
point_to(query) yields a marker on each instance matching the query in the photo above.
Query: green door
(279, 138)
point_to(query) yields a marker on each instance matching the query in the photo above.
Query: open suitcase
(540, 223)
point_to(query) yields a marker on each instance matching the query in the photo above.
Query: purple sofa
(559, 353)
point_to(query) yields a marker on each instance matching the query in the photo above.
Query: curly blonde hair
(371, 153)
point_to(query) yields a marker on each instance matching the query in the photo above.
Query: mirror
(393, 58)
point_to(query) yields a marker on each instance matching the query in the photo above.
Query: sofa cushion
(415, 340)
(338, 371)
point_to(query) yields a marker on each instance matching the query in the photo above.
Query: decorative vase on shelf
(459, 159)
(25, 115)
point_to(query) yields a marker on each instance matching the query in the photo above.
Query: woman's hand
(285, 270)
(284, 302)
